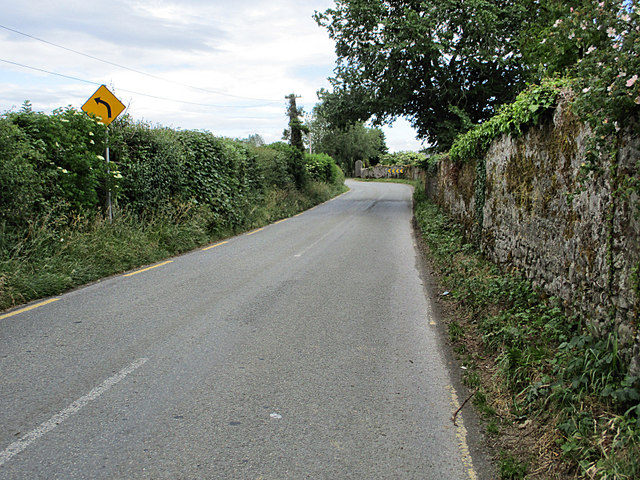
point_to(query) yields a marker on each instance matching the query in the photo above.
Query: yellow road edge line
(26, 309)
(280, 221)
(461, 435)
(148, 268)
(320, 204)
(214, 246)
(256, 231)
(338, 196)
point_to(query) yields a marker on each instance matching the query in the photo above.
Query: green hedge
(55, 163)
(171, 191)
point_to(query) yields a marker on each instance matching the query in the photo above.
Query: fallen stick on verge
(455, 415)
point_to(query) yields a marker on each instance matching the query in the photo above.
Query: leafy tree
(443, 64)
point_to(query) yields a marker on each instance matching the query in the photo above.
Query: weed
(493, 428)
(482, 404)
(472, 379)
(511, 468)
(455, 331)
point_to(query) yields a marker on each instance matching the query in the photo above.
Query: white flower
(632, 80)
(591, 49)
(611, 32)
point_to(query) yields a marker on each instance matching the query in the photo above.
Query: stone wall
(529, 207)
(409, 172)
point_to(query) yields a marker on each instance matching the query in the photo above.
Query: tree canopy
(442, 64)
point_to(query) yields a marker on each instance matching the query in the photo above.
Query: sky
(217, 65)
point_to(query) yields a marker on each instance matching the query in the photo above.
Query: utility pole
(295, 125)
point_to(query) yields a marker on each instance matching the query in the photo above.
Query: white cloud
(259, 51)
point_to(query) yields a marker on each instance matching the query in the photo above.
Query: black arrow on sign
(99, 100)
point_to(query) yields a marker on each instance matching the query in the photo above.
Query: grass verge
(54, 255)
(557, 398)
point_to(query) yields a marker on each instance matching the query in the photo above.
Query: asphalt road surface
(306, 349)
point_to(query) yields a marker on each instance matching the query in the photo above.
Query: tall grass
(57, 254)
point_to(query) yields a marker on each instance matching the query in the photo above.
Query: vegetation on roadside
(171, 192)
(528, 109)
(556, 402)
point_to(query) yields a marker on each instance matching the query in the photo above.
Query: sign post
(104, 106)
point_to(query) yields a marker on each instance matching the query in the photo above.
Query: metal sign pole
(109, 210)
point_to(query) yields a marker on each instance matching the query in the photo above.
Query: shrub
(152, 164)
(322, 168)
(20, 186)
(65, 149)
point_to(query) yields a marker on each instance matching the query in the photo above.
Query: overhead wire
(131, 91)
(140, 72)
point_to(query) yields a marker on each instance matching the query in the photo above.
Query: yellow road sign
(395, 170)
(104, 105)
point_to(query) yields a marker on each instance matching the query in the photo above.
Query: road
(307, 349)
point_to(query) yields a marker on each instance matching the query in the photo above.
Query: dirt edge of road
(482, 452)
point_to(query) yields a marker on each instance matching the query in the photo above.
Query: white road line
(17, 447)
(309, 247)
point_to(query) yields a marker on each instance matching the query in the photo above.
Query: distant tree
(345, 145)
(255, 140)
